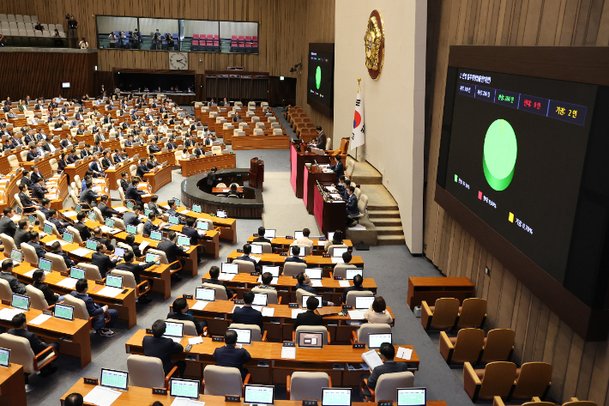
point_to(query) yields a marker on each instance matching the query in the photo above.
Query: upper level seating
(17, 25)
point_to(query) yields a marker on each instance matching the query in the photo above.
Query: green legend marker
(318, 77)
(456, 178)
(499, 155)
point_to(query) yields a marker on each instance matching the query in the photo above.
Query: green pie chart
(500, 152)
(318, 77)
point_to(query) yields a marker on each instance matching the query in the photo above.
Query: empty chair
(267, 248)
(8, 243)
(307, 385)
(245, 266)
(58, 263)
(293, 268)
(258, 131)
(277, 131)
(148, 372)
(387, 385)
(220, 290)
(497, 401)
(472, 313)
(271, 294)
(22, 354)
(91, 271)
(362, 333)
(29, 254)
(313, 329)
(577, 402)
(350, 300)
(467, 346)
(223, 381)
(441, 316)
(36, 296)
(98, 214)
(257, 334)
(498, 345)
(129, 281)
(496, 379)
(340, 270)
(189, 326)
(6, 294)
(532, 379)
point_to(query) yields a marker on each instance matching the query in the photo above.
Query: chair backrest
(29, 254)
(350, 300)
(340, 270)
(36, 296)
(58, 263)
(498, 345)
(371, 328)
(473, 313)
(308, 385)
(256, 332)
(98, 213)
(145, 371)
(388, 384)
(271, 294)
(40, 216)
(220, 290)
(267, 248)
(293, 268)
(245, 266)
(128, 278)
(468, 345)
(533, 380)
(161, 254)
(362, 203)
(445, 313)
(300, 293)
(580, 403)
(313, 329)
(21, 351)
(189, 326)
(91, 271)
(8, 242)
(76, 233)
(6, 294)
(222, 380)
(13, 161)
(133, 170)
(498, 379)
(80, 308)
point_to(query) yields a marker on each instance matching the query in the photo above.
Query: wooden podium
(256, 172)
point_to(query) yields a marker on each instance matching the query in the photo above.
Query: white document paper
(199, 305)
(195, 340)
(120, 209)
(109, 230)
(186, 402)
(102, 396)
(70, 213)
(288, 352)
(256, 307)
(226, 276)
(404, 353)
(38, 320)
(82, 252)
(61, 242)
(357, 314)
(68, 283)
(344, 284)
(317, 283)
(268, 312)
(9, 313)
(372, 359)
(337, 260)
(109, 291)
(296, 312)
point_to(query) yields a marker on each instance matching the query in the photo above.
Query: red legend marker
(479, 195)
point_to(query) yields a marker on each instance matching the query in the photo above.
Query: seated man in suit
(22, 233)
(130, 241)
(351, 207)
(357, 286)
(38, 189)
(266, 279)
(26, 201)
(7, 225)
(214, 273)
(149, 225)
(132, 193)
(35, 243)
(190, 231)
(103, 261)
(20, 329)
(6, 273)
(142, 168)
(56, 249)
(247, 250)
(295, 255)
(99, 313)
(338, 167)
(179, 311)
(163, 348)
(152, 205)
(389, 365)
(230, 356)
(310, 317)
(247, 314)
(124, 181)
(83, 230)
(96, 169)
(135, 268)
(105, 208)
(87, 194)
(260, 236)
(54, 218)
(304, 282)
(132, 218)
(172, 250)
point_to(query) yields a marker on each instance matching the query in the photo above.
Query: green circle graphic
(318, 77)
(499, 154)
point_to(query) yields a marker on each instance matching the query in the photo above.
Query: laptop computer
(196, 208)
(363, 302)
(229, 268)
(273, 270)
(62, 311)
(45, 264)
(256, 249)
(411, 396)
(68, 237)
(91, 244)
(78, 208)
(130, 205)
(304, 301)
(298, 234)
(48, 228)
(338, 252)
(330, 235)
(183, 241)
(351, 272)
(5, 356)
(114, 281)
(270, 233)
(114, 379)
(202, 225)
(177, 201)
(313, 273)
(259, 394)
(375, 340)
(174, 330)
(109, 223)
(77, 273)
(147, 212)
(221, 213)
(207, 294)
(184, 388)
(92, 215)
(244, 335)
(336, 396)
(175, 220)
(20, 302)
(16, 256)
(32, 219)
(152, 257)
(260, 299)
(131, 229)
(156, 235)
(310, 339)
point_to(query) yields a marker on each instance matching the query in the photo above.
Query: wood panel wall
(579, 368)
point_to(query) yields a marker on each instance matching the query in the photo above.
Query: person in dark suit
(229, 355)
(142, 168)
(96, 169)
(56, 249)
(320, 141)
(247, 250)
(38, 189)
(179, 311)
(152, 205)
(172, 251)
(149, 225)
(74, 399)
(214, 273)
(295, 258)
(87, 195)
(6, 273)
(106, 210)
(99, 313)
(389, 365)
(310, 317)
(130, 241)
(124, 182)
(247, 314)
(351, 207)
(35, 243)
(132, 193)
(8, 226)
(132, 218)
(357, 286)
(22, 233)
(26, 201)
(260, 236)
(60, 225)
(36, 175)
(83, 230)
(191, 232)
(20, 329)
(103, 261)
(38, 282)
(303, 282)
(163, 348)
(129, 265)
(338, 167)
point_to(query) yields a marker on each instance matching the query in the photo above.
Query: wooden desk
(57, 186)
(274, 372)
(434, 287)
(72, 336)
(168, 158)
(158, 177)
(297, 162)
(227, 226)
(115, 172)
(12, 386)
(312, 175)
(111, 144)
(43, 164)
(311, 260)
(283, 244)
(210, 243)
(79, 168)
(137, 396)
(141, 151)
(261, 142)
(205, 163)
(330, 215)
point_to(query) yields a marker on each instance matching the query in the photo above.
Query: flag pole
(359, 86)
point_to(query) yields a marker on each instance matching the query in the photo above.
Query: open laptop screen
(174, 329)
(156, 235)
(298, 235)
(20, 302)
(412, 396)
(310, 340)
(202, 225)
(256, 249)
(270, 233)
(65, 312)
(260, 299)
(351, 272)
(77, 273)
(313, 273)
(5, 355)
(339, 251)
(304, 301)
(274, 270)
(375, 340)
(45, 264)
(114, 379)
(336, 396)
(206, 294)
(363, 302)
(259, 394)
(131, 229)
(229, 268)
(244, 336)
(17, 256)
(184, 388)
(114, 281)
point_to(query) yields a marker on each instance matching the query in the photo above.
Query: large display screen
(516, 155)
(320, 80)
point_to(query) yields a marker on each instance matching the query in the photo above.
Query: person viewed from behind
(378, 312)
(230, 355)
(163, 348)
(388, 366)
(100, 314)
